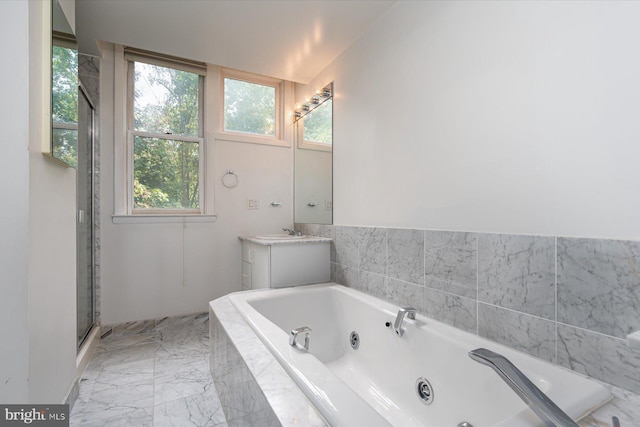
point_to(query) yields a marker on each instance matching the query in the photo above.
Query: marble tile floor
(151, 373)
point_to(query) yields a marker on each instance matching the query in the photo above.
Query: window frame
(280, 138)
(156, 60)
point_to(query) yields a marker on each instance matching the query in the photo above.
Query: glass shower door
(85, 220)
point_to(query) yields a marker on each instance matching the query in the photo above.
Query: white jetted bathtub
(376, 384)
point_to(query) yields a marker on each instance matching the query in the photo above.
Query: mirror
(64, 89)
(313, 175)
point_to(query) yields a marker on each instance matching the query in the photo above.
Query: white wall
(52, 280)
(155, 270)
(37, 253)
(52, 236)
(514, 117)
(69, 9)
(14, 216)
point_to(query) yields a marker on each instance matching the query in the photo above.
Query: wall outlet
(254, 204)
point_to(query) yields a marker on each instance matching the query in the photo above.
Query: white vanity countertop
(283, 239)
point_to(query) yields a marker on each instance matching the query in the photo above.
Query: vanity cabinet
(282, 263)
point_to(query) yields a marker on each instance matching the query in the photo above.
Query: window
(64, 102)
(165, 123)
(251, 108)
(317, 125)
(315, 129)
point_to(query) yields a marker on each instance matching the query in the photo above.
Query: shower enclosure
(85, 216)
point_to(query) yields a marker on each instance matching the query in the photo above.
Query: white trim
(171, 136)
(64, 126)
(251, 138)
(280, 88)
(164, 212)
(166, 61)
(132, 210)
(155, 219)
(124, 148)
(121, 143)
(315, 146)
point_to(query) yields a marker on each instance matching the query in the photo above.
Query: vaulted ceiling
(292, 40)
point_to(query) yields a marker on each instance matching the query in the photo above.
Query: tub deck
(274, 382)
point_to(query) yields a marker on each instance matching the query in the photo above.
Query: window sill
(159, 218)
(251, 139)
(315, 146)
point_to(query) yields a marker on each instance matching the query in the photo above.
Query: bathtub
(376, 383)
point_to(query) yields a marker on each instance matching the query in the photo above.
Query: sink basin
(279, 237)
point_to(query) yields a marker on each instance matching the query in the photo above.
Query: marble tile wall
(570, 301)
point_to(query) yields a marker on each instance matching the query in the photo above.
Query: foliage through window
(250, 107)
(318, 126)
(166, 137)
(64, 104)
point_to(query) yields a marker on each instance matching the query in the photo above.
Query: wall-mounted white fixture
(253, 204)
(319, 98)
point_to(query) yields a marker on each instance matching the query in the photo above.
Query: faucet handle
(294, 335)
(411, 312)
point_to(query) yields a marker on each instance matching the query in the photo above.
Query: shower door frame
(83, 335)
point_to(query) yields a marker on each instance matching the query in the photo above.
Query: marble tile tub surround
(570, 301)
(254, 388)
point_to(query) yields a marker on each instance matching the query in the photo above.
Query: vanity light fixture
(321, 96)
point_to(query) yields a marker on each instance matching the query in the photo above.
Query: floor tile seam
(188, 396)
(168, 356)
(192, 367)
(218, 408)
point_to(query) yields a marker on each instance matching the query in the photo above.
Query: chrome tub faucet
(409, 312)
(539, 402)
(294, 336)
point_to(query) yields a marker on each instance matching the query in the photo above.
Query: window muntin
(165, 139)
(64, 104)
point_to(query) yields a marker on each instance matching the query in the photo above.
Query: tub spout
(294, 336)
(539, 403)
(410, 312)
